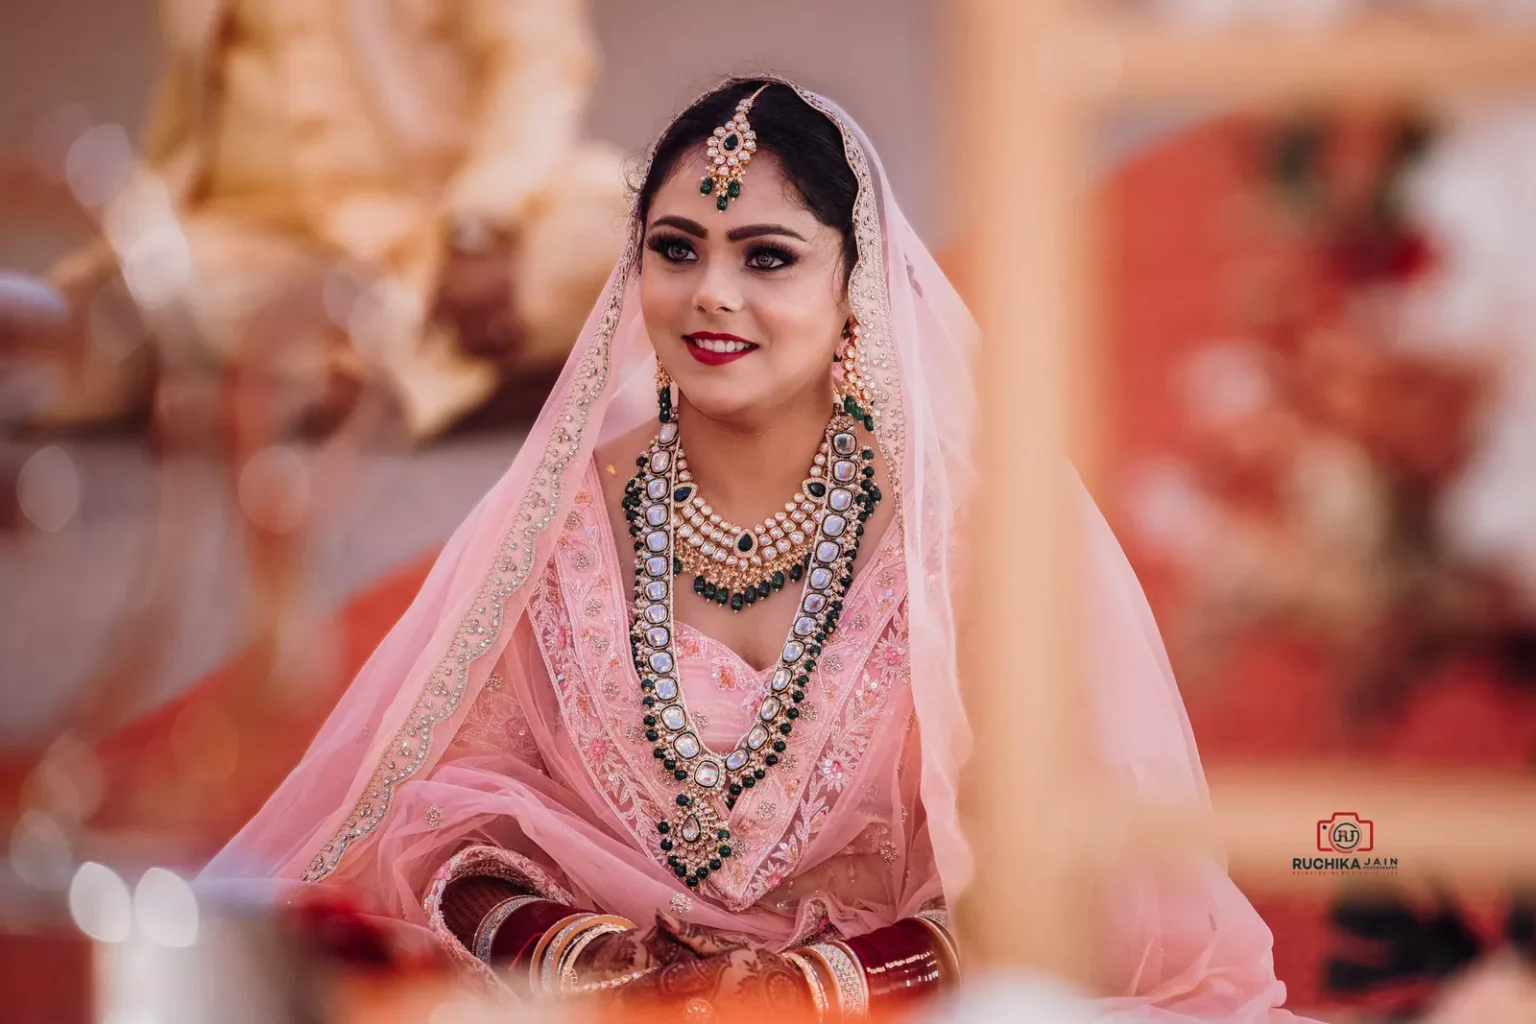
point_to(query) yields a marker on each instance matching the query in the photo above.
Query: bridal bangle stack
(553, 966)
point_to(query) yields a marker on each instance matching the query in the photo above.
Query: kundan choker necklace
(657, 503)
(739, 566)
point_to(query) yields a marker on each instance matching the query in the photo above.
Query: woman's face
(745, 308)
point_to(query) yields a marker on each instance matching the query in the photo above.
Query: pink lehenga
(504, 709)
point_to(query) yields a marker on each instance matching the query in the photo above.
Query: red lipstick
(708, 356)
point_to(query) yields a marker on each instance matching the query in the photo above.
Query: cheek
(804, 324)
(662, 297)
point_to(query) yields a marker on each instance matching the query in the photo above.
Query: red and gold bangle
(522, 931)
(899, 963)
(946, 942)
(818, 991)
(593, 929)
(485, 931)
(850, 992)
(554, 939)
(568, 936)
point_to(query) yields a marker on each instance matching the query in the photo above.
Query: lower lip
(709, 358)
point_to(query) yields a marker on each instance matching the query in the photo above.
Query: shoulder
(616, 461)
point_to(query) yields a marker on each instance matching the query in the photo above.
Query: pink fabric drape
(503, 708)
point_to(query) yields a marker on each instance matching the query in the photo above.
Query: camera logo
(1346, 832)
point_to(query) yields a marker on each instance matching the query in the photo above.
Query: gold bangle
(950, 953)
(541, 967)
(618, 981)
(594, 929)
(812, 982)
(848, 978)
(485, 932)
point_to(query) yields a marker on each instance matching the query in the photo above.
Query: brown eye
(671, 248)
(768, 257)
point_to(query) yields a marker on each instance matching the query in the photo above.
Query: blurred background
(271, 321)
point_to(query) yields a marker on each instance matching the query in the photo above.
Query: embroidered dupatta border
(443, 692)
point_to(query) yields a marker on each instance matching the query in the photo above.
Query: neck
(747, 472)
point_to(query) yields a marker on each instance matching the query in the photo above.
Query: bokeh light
(274, 488)
(100, 904)
(99, 164)
(40, 854)
(165, 909)
(48, 489)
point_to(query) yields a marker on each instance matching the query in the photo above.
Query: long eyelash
(785, 256)
(660, 242)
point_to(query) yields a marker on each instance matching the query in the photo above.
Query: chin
(724, 407)
(724, 396)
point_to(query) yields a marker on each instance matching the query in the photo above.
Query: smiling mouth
(719, 344)
(717, 349)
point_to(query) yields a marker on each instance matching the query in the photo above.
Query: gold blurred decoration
(1035, 80)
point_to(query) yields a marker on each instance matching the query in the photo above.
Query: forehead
(766, 196)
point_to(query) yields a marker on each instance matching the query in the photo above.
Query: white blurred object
(31, 298)
(99, 903)
(1498, 990)
(1474, 196)
(1311, 14)
(48, 488)
(1226, 380)
(165, 909)
(1020, 999)
(1214, 14)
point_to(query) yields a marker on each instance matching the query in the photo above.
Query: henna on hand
(764, 980)
(702, 939)
(621, 953)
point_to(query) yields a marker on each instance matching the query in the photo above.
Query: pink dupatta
(502, 707)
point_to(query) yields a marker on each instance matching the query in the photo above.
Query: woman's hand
(742, 977)
(623, 953)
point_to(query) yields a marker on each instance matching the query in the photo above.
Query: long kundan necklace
(817, 540)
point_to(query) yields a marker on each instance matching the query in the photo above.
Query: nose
(717, 290)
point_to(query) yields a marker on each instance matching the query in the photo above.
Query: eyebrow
(698, 230)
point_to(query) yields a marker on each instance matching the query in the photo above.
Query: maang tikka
(727, 154)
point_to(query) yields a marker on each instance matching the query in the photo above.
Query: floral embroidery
(434, 816)
(594, 607)
(681, 903)
(832, 771)
(774, 824)
(493, 684)
(724, 675)
(573, 520)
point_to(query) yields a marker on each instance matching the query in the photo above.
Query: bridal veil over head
(372, 803)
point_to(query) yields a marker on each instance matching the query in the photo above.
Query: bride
(675, 716)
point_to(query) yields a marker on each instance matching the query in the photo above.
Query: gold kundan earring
(727, 153)
(664, 393)
(853, 389)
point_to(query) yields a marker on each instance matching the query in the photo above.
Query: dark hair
(805, 141)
